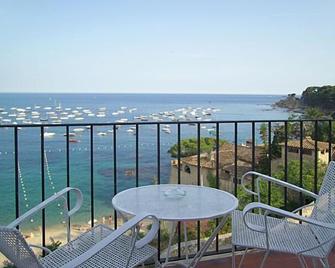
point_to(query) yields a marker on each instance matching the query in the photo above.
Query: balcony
(100, 158)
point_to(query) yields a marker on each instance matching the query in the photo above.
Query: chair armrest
(276, 181)
(45, 203)
(280, 212)
(302, 207)
(114, 235)
(45, 249)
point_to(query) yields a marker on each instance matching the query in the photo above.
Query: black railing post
(137, 152)
(42, 185)
(330, 149)
(253, 158)
(159, 179)
(68, 170)
(92, 173)
(301, 161)
(235, 158)
(179, 181)
(115, 171)
(316, 156)
(217, 168)
(285, 165)
(330, 135)
(16, 155)
(270, 159)
(198, 178)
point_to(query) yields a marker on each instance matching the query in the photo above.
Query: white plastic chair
(99, 247)
(313, 237)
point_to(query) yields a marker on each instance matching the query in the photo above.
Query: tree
(190, 146)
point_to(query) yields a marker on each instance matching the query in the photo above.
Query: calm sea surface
(229, 107)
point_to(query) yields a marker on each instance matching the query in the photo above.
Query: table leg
(204, 248)
(171, 235)
(194, 261)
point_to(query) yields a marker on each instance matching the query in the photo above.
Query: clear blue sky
(205, 46)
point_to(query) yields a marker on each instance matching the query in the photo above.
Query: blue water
(232, 107)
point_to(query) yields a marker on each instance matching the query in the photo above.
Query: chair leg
(264, 258)
(233, 265)
(243, 256)
(301, 261)
(325, 263)
(157, 263)
(314, 262)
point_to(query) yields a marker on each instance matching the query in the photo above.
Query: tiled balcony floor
(253, 260)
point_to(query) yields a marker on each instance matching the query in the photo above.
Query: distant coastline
(321, 98)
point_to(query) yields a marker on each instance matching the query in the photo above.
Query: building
(189, 166)
(308, 150)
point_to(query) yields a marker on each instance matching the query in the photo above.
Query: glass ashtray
(175, 193)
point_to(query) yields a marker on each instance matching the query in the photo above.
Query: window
(293, 150)
(187, 169)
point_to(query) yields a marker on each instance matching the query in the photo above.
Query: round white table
(172, 202)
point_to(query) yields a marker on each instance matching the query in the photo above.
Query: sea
(217, 107)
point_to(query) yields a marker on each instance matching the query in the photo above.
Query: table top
(173, 202)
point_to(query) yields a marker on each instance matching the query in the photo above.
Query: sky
(166, 46)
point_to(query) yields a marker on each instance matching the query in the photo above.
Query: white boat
(102, 133)
(79, 118)
(49, 134)
(166, 130)
(78, 130)
(101, 115)
(90, 114)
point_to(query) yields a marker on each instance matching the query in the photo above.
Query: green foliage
(190, 146)
(8, 264)
(277, 196)
(211, 178)
(293, 176)
(54, 244)
(322, 97)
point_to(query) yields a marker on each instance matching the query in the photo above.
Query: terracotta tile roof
(308, 143)
(226, 156)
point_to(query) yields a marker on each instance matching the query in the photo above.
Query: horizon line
(143, 93)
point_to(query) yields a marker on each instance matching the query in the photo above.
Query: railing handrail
(165, 122)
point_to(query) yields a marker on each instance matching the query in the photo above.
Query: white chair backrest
(324, 209)
(15, 248)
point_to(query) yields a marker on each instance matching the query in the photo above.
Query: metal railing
(254, 125)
